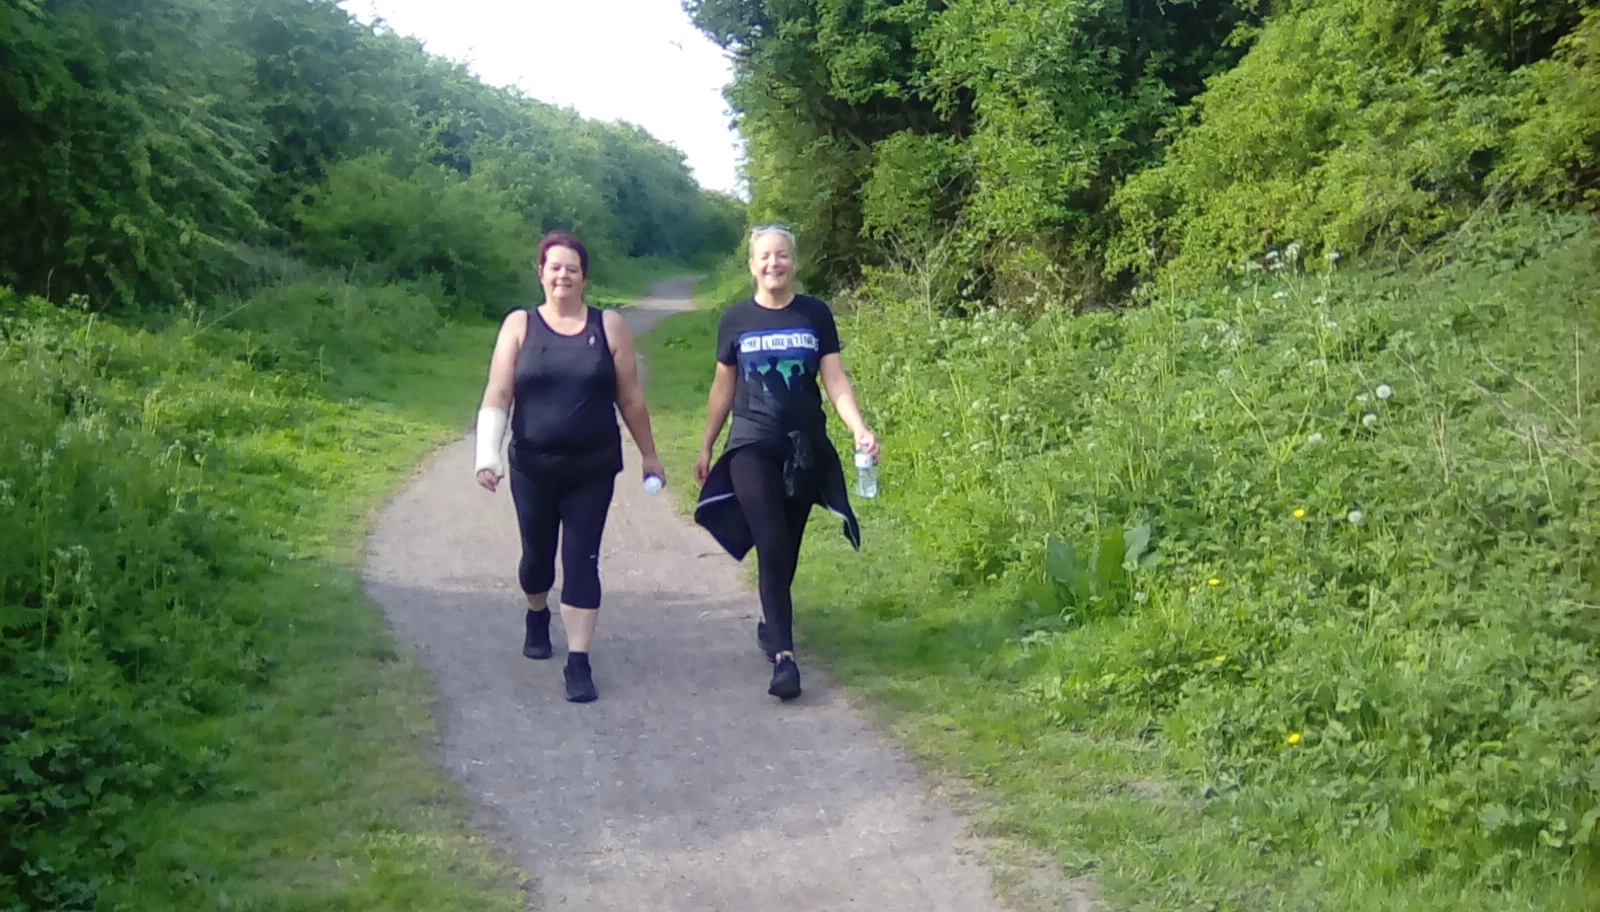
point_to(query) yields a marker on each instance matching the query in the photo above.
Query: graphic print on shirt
(780, 369)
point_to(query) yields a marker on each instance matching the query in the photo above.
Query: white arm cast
(491, 433)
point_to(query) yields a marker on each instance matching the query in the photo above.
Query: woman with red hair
(565, 366)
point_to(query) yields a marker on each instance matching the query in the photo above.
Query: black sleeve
(727, 338)
(827, 330)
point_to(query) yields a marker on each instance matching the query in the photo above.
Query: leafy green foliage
(1355, 124)
(148, 140)
(1006, 124)
(1370, 639)
(1068, 149)
(129, 145)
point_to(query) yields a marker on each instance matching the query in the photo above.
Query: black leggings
(577, 509)
(777, 524)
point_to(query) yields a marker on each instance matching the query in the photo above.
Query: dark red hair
(564, 239)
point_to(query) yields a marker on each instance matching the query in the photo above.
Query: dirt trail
(685, 787)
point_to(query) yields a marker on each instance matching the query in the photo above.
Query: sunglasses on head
(772, 227)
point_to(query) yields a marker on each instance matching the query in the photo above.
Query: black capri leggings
(777, 524)
(575, 508)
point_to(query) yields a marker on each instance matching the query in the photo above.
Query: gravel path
(684, 787)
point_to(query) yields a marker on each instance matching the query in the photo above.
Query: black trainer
(764, 643)
(785, 679)
(580, 683)
(536, 643)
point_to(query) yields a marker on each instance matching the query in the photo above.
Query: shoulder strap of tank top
(597, 321)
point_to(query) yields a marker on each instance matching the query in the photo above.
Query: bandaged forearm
(491, 431)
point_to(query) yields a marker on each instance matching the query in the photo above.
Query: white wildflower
(1315, 438)
(1320, 300)
(1292, 252)
(1279, 295)
(1355, 516)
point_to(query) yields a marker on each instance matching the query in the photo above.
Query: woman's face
(772, 262)
(562, 275)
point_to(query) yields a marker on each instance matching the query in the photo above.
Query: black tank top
(564, 419)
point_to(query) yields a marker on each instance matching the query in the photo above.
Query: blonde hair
(759, 230)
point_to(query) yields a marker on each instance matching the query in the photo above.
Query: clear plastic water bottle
(653, 484)
(866, 475)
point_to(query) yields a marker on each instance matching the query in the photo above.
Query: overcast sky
(641, 61)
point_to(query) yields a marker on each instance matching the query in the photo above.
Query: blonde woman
(773, 348)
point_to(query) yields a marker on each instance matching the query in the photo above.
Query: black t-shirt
(778, 354)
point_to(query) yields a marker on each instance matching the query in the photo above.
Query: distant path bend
(685, 788)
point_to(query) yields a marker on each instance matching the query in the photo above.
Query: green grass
(1438, 661)
(204, 710)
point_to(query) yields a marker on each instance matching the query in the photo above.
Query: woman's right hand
(488, 479)
(702, 467)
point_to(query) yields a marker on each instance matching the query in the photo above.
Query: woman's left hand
(653, 466)
(867, 442)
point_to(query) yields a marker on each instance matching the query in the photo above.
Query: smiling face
(562, 275)
(772, 261)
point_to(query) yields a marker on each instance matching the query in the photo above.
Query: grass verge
(1362, 674)
(204, 710)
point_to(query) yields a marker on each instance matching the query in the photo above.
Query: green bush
(1354, 125)
(1365, 616)
(430, 226)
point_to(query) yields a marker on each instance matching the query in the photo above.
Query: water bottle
(653, 484)
(866, 475)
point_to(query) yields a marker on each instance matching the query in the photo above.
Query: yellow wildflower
(1294, 738)
(1300, 513)
(1213, 582)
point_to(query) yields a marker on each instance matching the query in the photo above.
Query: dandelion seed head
(1315, 438)
(1385, 391)
(1279, 295)
(1355, 516)
(1140, 597)
(1369, 418)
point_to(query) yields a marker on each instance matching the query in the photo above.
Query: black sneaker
(785, 679)
(761, 640)
(536, 642)
(580, 684)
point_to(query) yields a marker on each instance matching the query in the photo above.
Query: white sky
(640, 61)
